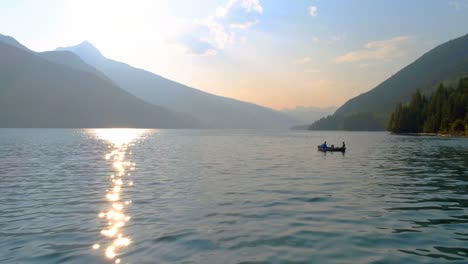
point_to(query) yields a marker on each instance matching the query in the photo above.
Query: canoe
(331, 149)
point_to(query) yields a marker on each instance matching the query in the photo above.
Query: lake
(231, 196)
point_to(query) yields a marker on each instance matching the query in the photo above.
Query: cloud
(208, 52)
(458, 4)
(216, 32)
(304, 60)
(197, 47)
(377, 50)
(217, 36)
(313, 11)
(315, 40)
(336, 38)
(245, 25)
(247, 5)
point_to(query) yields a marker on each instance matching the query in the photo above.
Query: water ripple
(207, 196)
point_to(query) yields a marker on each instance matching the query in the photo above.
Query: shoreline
(430, 135)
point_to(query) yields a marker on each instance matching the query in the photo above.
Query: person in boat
(332, 146)
(344, 145)
(324, 145)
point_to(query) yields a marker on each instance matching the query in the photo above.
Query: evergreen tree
(446, 111)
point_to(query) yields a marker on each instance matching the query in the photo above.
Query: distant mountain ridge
(371, 110)
(35, 91)
(214, 111)
(12, 42)
(70, 59)
(309, 114)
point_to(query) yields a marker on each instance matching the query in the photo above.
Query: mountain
(35, 92)
(215, 111)
(309, 114)
(12, 42)
(65, 58)
(372, 109)
(70, 59)
(444, 112)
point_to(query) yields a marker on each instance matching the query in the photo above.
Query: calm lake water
(226, 196)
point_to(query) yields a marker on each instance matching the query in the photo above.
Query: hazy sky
(274, 53)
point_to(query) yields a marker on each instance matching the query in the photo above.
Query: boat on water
(321, 148)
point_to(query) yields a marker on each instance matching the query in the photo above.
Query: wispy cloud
(377, 50)
(208, 52)
(247, 5)
(315, 40)
(313, 11)
(196, 47)
(304, 60)
(218, 36)
(216, 32)
(336, 38)
(244, 25)
(458, 4)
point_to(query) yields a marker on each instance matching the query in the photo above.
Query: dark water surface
(220, 196)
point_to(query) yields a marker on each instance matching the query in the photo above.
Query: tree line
(445, 111)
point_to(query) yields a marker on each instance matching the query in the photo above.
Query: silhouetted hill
(309, 114)
(12, 42)
(34, 92)
(70, 59)
(215, 111)
(372, 109)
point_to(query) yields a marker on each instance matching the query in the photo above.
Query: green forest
(445, 111)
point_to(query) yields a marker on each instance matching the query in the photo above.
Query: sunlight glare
(119, 140)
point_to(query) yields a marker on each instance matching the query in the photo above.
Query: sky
(279, 54)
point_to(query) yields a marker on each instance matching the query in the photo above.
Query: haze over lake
(230, 196)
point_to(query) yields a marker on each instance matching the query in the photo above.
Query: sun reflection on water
(119, 140)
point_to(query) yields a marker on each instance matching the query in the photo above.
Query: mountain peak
(86, 44)
(11, 41)
(84, 49)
